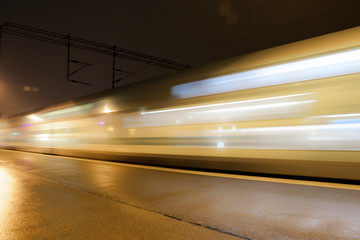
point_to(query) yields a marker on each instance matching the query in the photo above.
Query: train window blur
(68, 112)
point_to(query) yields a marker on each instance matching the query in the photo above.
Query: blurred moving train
(293, 110)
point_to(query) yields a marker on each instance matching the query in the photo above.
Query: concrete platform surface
(53, 197)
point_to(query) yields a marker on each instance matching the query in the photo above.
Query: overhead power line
(75, 42)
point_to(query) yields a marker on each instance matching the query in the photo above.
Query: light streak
(225, 104)
(330, 65)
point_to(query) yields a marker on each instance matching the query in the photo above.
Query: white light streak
(285, 104)
(43, 137)
(301, 128)
(225, 104)
(36, 118)
(335, 64)
(338, 115)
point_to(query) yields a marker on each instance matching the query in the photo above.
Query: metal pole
(68, 59)
(0, 48)
(113, 69)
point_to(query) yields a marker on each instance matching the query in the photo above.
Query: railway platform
(55, 197)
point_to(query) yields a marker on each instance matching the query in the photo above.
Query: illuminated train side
(292, 110)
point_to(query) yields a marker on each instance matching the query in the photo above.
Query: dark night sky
(195, 32)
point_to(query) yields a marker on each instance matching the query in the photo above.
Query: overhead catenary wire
(84, 44)
(222, 19)
(251, 35)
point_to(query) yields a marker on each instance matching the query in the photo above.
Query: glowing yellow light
(107, 110)
(27, 88)
(4, 177)
(6, 192)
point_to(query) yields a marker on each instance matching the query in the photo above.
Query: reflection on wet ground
(54, 197)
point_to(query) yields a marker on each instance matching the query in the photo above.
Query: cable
(223, 19)
(252, 35)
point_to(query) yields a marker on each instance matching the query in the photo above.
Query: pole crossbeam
(75, 42)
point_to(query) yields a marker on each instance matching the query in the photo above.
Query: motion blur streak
(293, 116)
(339, 115)
(308, 127)
(246, 110)
(330, 65)
(224, 104)
(285, 104)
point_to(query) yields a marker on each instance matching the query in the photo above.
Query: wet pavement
(52, 197)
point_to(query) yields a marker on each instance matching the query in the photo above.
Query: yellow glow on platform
(4, 178)
(6, 190)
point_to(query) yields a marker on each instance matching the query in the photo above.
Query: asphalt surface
(52, 197)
